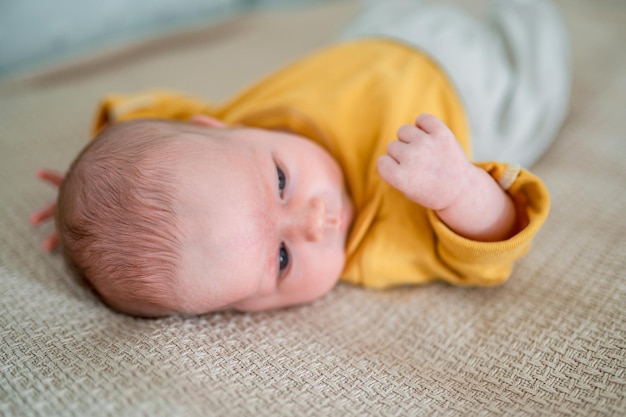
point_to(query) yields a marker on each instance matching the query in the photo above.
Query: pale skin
(265, 220)
(427, 164)
(305, 223)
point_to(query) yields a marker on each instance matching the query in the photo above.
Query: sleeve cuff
(489, 263)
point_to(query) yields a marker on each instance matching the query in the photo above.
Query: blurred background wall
(35, 33)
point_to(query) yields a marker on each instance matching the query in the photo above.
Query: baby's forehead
(207, 141)
(218, 182)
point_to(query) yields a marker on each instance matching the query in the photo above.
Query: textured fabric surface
(552, 341)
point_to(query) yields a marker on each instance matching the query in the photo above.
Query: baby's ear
(201, 119)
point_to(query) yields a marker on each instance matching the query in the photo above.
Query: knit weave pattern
(552, 341)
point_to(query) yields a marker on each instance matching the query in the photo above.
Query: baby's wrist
(460, 185)
(482, 210)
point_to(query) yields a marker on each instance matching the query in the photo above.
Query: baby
(266, 202)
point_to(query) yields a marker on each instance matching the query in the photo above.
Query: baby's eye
(283, 258)
(282, 180)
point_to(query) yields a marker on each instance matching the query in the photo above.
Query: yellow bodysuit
(351, 99)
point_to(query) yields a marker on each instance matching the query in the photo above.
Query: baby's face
(265, 216)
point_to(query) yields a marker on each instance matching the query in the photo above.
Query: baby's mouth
(344, 217)
(333, 221)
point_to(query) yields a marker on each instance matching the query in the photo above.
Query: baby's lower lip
(345, 214)
(340, 221)
(337, 221)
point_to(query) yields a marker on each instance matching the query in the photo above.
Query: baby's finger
(408, 133)
(53, 177)
(389, 170)
(43, 214)
(396, 149)
(429, 123)
(51, 242)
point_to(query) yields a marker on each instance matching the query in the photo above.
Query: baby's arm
(47, 213)
(429, 167)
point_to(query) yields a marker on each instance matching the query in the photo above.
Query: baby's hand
(47, 213)
(426, 163)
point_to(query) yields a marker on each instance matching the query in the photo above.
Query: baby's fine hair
(117, 220)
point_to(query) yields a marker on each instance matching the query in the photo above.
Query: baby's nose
(312, 220)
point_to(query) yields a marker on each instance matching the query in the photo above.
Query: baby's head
(164, 217)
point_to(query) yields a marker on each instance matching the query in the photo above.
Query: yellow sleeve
(156, 104)
(490, 263)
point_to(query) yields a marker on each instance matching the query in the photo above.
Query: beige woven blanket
(552, 341)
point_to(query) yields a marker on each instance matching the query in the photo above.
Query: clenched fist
(426, 163)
